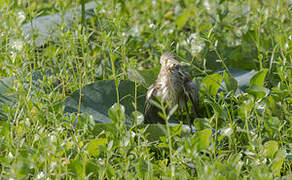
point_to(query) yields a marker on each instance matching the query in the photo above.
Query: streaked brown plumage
(173, 84)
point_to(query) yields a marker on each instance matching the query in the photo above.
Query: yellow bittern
(173, 84)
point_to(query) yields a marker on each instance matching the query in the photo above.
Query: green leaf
(277, 162)
(155, 131)
(48, 26)
(200, 140)
(172, 111)
(211, 84)
(76, 167)
(137, 116)
(100, 127)
(201, 123)
(117, 113)
(4, 128)
(93, 146)
(6, 96)
(203, 139)
(259, 78)
(230, 82)
(256, 85)
(270, 148)
(176, 130)
(258, 91)
(98, 97)
(142, 167)
(182, 19)
(145, 77)
(21, 166)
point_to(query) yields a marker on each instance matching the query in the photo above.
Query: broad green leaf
(93, 146)
(201, 123)
(201, 140)
(277, 162)
(270, 148)
(145, 77)
(76, 168)
(6, 96)
(155, 131)
(47, 26)
(182, 19)
(98, 97)
(259, 78)
(100, 127)
(176, 130)
(117, 113)
(4, 128)
(211, 84)
(150, 75)
(256, 85)
(204, 138)
(230, 82)
(258, 91)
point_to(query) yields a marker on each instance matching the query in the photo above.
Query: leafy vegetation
(51, 79)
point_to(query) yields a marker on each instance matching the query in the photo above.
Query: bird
(174, 85)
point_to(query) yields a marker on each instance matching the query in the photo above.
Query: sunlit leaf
(211, 84)
(93, 146)
(270, 148)
(203, 139)
(176, 130)
(117, 113)
(258, 91)
(259, 78)
(182, 19)
(76, 167)
(4, 128)
(278, 162)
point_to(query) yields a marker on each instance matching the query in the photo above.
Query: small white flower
(207, 5)
(196, 43)
(41, 175)
(21, 17)
(286, 46)
(17, 44)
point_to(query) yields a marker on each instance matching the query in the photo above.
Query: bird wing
(149, 95)
(151, 112)
(192, 92)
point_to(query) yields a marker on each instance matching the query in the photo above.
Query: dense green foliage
(239, 135)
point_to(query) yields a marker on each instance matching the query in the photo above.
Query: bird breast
(171, 86)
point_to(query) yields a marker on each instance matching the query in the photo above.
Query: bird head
(167, 60)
